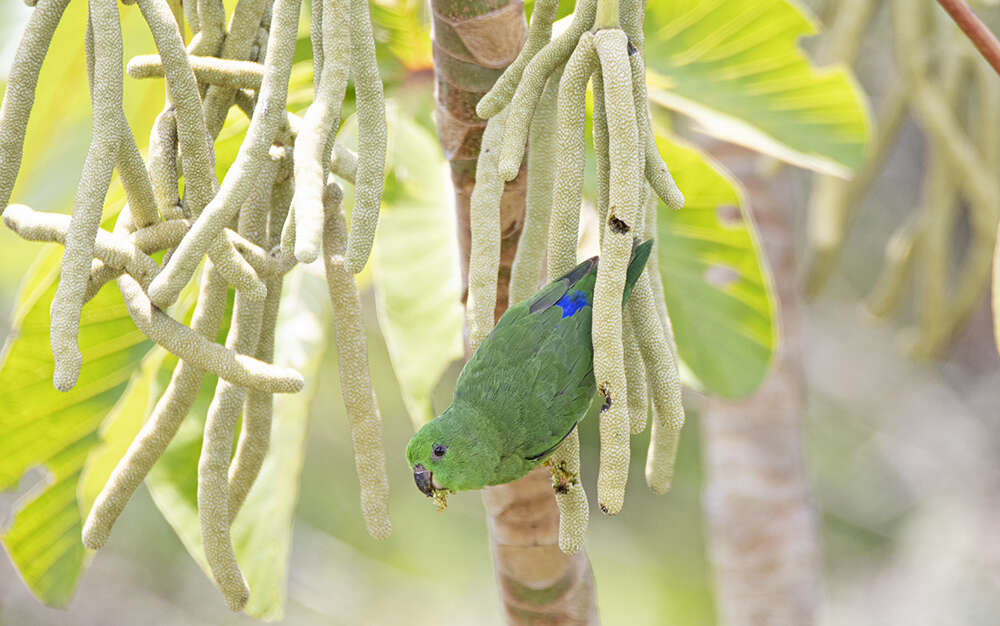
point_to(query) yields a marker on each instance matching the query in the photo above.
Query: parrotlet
(522, 392)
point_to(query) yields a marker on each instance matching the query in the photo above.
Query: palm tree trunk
(473, 41)
(761, 523)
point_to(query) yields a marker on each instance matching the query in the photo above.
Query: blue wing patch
(571, 302)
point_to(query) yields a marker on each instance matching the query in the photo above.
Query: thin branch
(981, 36)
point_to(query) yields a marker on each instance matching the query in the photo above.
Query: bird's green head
(453, 452)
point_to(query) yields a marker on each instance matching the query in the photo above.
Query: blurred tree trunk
(761, 523)
(473, 41)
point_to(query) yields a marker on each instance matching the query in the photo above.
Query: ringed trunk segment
(474, 41)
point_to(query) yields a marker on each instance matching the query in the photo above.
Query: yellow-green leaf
(44, 428)
(715, 278)
(735, 67)
(415, 266)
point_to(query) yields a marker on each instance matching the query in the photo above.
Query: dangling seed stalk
(355, 381)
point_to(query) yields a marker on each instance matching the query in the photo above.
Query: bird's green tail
(640, 253)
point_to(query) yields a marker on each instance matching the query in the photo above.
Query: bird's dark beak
(424, 479)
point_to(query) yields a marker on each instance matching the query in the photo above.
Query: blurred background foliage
(901, 454)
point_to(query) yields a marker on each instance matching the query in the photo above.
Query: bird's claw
(562, 478)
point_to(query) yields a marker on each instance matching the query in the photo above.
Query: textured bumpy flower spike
(319, 128)
(484, 248)
(106, 94)
(238, 182)
(256, 429)
(372, 136)
(244, 27)
(539, 34)
(625, 212)
(566, 197)
(529, 88)
(595, 47)
(217, 505)
(664, 385)
(635, 378)
(528, 269)
(355, 380)
(20, 94)
(570, 157)
(208, 70)
(224, 67)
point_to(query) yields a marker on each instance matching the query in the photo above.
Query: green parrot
(521, 393)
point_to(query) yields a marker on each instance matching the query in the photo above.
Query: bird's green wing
(519, 335)
(534, 372)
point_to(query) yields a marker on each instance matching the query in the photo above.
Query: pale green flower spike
(531, 84)
(20, 95)
(528, 269)
(625, 212)
(166, 235)
(355, 379)
(574, 510)
(484, 248)
(207, 41)
(526, 275)
(267, 119)
(255, 433)
(94, 182)
(319, 127)
(570, 158)
(372, 133)
(162, 165)
(243, 29)
(258, 189)
(191, 15)
(134, 179)
(316, 39)
(196, 157)
(539, 34)
(655, 168)
(668, 410)
(217, 505)
(229, 73)
(602, 157)
(258, 412)
(635, 376)
(344, 162)
(149, 239)
(664, 385)
(213, 465)
(114, 251)
(653, 270)
(182, 342)
(170, 410)
(161, 236)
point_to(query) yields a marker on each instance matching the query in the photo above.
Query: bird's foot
(562, 478)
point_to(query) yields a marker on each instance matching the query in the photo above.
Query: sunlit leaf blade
(42, 427)
(736, 68)
(403, 29)
(261, 532)
(415, 263)
(715, 278)
(119, 429)
(43, 541)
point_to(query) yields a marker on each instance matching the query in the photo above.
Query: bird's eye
(438, 451)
